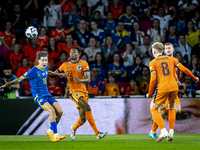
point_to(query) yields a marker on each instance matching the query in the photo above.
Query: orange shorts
(162, 98)
(75, 96)
(165, 105)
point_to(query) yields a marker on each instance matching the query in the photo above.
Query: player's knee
(60, 112)
(52, 111)
(83, 118)
(88, 108)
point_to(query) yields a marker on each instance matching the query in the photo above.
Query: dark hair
(106, 46)
(186, 28)
(158, 25)
(145, 67)
(109, 12)
(189, 2)
(43, 27)
(78, 49)
(181, 34)
(110, 74)
(120, 58)
(146, 35)
(45, 47)
(7, 67)
(136, 58)
(11, 29)
(41, 54)
(96, 11)
(120, 21)
(84, 54)
(102, 59)
(63, 52)
(55, 46)
(132, 29)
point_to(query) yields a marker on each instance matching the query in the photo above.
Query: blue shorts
(41, 100)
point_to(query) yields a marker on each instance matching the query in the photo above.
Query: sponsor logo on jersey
(77, 95)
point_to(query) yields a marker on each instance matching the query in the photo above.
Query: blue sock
(57, 122)
(53, 127)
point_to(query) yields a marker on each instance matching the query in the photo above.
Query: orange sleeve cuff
(186, 71)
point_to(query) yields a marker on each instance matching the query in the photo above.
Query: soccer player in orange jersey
(78, 73)
(169, 49)
(164, 68)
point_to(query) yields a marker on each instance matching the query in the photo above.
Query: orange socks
(78, 124)
(154, 126)
(90, 119)
(157, 118)
(172, 118)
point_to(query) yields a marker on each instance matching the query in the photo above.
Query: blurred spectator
(71, 20)
(118, 68)
(19, 22)
(108, 50)
(179, 73)
(140, 8)
(100, 5)
(27, 89)
(129, 55)
(194, 66)
(109, 24)
(10, 92)
(144, 51)
(53, 49)
(84, 56)
(43, 39)
(31, 50)
(54, 88)
(191, 34)
(111, 88)
(128, 18)
(66, 6)
(99, 34)
(92, 50)
(22, 70)
(164, 19)
(132, 88)
(52, 13)
(190, 87)
(136, 34)
(81, 9)
(180, 23)
(196, 20)
(82, 35)
(15, 57)
(59, 32)
(120, 36)
(97, 18)
(8, 37)
(156, 33)
(184, 48)
(116, 8)
(31, 8)
(69, 44)
(136, 68)
(196, 49)
(6, 6)
(143, 81)
(154, 6)
(100, 65)
(182, 89)
(63, 58)
(188, 5)
(95, 86)
(171, 37)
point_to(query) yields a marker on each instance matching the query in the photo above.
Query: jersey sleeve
(86, 67)
(153, 78)
(61, 68)
(152, 67)
(31, 74)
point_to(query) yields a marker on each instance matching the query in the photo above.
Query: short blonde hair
(158, 46)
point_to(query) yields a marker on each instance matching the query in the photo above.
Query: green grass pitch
(89, 142)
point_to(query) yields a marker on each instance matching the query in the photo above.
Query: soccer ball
(31, 32)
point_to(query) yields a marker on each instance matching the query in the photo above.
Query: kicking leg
(79, 123)
(171, 119)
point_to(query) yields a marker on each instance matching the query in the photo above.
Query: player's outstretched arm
(188, 72)
(16, 81)
(55, 74)
(86, 78)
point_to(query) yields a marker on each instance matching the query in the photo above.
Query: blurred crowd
(115, 38)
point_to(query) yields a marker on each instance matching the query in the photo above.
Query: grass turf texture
(89, 142)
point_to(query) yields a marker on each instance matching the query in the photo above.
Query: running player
(169, 49)
(164, 68)
(78, 74)
(38, 81)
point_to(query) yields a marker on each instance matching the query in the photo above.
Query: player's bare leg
(177, 108)
(79, 123)
(53, 135)
(171, 119)
(159, 120)
(88, 113)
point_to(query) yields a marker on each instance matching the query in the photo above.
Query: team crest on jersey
(79, 67)
(77, 95)
(40, 100)
(43, 74)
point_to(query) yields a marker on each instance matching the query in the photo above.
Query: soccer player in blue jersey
(38, 80)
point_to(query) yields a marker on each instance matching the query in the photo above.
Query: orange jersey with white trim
(165, 69)
(73, 70)
(56, 33)
(43, 41)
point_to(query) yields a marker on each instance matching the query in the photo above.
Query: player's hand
(62, 74)
(197, 79)
(147, 96)
(77, 79)
(3, 86)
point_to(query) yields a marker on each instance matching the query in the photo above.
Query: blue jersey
(128, 21)
(180, 25)
(38, 81)
(109, 25)
(173, 40)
